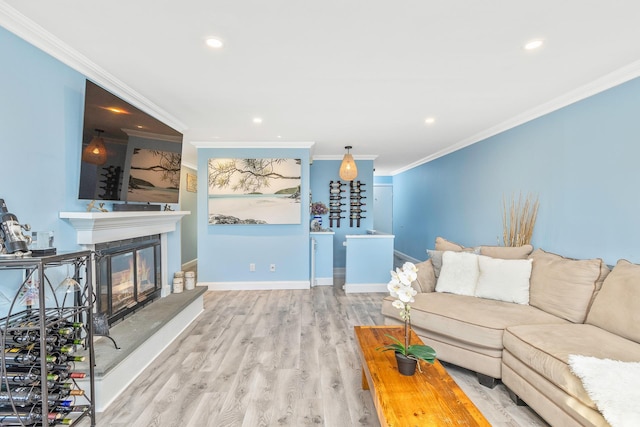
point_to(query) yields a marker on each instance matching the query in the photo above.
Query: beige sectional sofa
(573, 307)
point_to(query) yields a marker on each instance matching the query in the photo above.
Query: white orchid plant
(400, 288)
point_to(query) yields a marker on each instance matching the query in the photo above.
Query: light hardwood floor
(275, 358)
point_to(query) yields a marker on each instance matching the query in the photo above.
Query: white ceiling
(364, 73)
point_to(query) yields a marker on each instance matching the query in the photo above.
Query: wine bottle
(20, 396)
(65, 375)
(69, 358)
(29, 417)
(68, 408)
(19, 378)
(28, 337)
(69, 348)
(20, 357)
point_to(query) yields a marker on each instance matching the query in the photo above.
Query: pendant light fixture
(348, 169)
(95, 152)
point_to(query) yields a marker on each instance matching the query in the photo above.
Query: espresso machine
(13, 243)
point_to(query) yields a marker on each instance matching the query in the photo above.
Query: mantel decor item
(407, 355)
(348, 169)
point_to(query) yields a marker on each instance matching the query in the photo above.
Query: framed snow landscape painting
(254, 191)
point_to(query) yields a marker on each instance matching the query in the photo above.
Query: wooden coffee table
(430, 398)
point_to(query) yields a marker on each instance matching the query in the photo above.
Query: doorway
(383, 208)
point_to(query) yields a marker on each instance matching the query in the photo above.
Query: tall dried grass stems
(518, 220)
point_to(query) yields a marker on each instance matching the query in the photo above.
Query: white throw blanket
(613, 386)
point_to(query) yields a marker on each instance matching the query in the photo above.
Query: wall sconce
(95, 152)
(348, 169)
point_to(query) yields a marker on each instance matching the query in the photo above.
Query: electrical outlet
(252, 267)
(272, 267)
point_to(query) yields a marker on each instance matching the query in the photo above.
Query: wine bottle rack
(356, 202)
(336, 202)
(47, 341)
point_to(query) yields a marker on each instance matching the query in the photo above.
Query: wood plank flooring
(275, 358)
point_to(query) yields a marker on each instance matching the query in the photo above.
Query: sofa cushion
(564, 286)
(436, 260)
(504, 252)
(426, 281)
(616, 308)
(459, 273)
(443, 244)
(507, 252)
(475, 322)
(504, 279)
(546, 349)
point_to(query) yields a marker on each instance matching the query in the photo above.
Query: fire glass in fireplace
(128, 275)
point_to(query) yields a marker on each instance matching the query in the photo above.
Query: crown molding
(190, 165)
(252, 144)
(608, 81)
(341, 156)
(26, 29)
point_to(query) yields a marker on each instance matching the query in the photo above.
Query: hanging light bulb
(348, 169)
(95, 152)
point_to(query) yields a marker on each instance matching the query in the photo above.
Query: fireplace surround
(96, 228)
(128, 275)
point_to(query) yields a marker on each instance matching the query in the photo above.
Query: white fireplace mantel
(100, 227)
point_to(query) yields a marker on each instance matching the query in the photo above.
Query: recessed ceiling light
(215, 43)
(257, 120)
(430, 120)
(533, 44)
(279, 136)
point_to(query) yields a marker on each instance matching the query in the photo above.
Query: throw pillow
(616, 308)
(445, 245)
(507, 252)
(426, 281)
(612, 385)
(504, 279)
(459, 273)
(563, 286)
(436, 260)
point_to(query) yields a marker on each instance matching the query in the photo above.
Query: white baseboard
(256, 286)
(117, 379)
(355, 288)
(324, 281)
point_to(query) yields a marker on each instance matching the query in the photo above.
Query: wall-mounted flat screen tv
(127, 155)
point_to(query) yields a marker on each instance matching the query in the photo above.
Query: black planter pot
(406, 365)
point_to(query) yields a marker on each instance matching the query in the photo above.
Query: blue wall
(581, 160)
(225, 251)
(40, 133)
(41, 113)
(324, 171)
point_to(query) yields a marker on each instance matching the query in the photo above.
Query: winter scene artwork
(254, 191)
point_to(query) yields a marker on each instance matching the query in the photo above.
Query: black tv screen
(127, 155)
